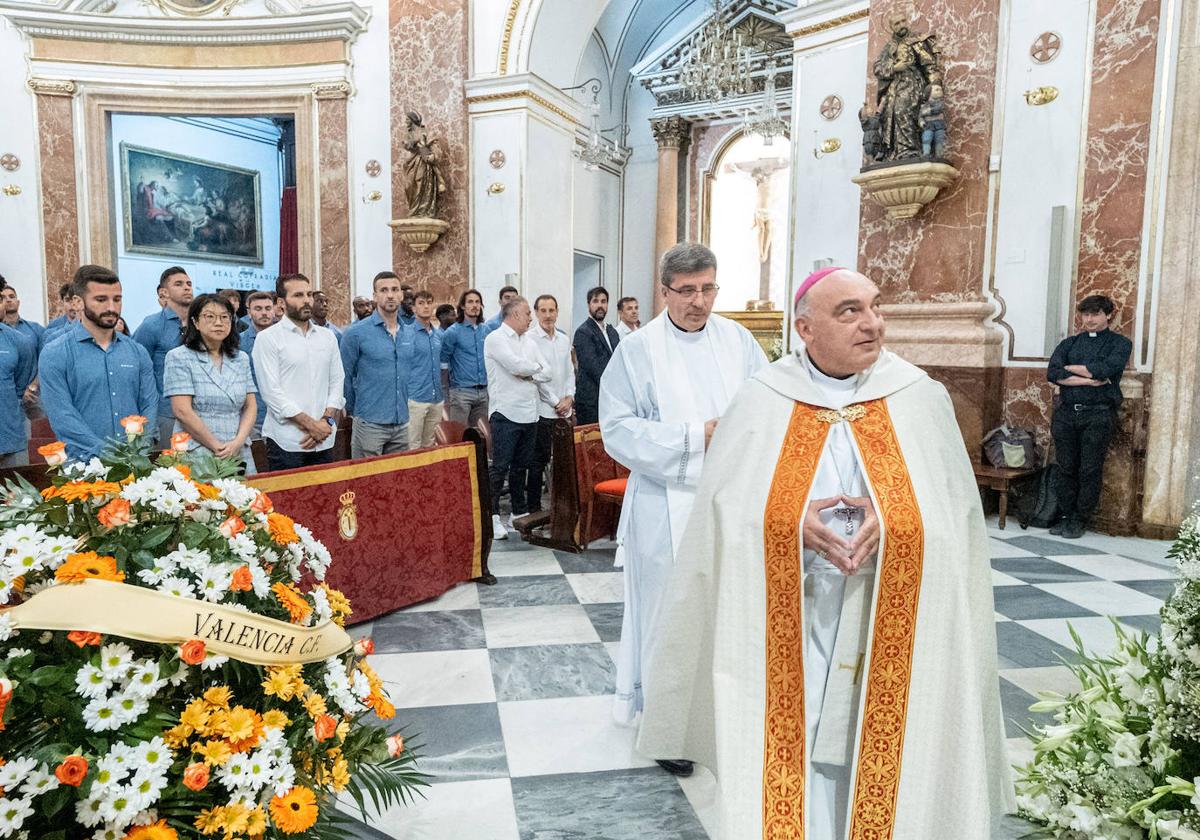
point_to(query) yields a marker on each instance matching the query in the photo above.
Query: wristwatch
(330, 421)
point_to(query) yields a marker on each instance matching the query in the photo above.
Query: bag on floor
(1005, 446)
(1040, 507)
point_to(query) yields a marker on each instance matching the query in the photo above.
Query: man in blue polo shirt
(10, 311)
(506, 294)
(162, 332)
(376, 356)
(425, 399)
(18, 367)
(462, 359)
(64, 296)
(92, 375)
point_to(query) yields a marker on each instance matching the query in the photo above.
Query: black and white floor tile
(509, 687)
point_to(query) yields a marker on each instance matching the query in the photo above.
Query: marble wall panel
(706, 140)
(1118, 145)
(1028, 401)
(975, 393)
(335, 204)
(939, 255)
(428, 64)
(60, 217)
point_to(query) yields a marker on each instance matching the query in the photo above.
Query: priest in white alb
(825, 644)
(661, 397)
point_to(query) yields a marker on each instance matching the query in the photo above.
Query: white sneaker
(498, 531)
(508, 523)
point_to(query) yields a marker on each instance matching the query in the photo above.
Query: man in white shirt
(300, 377)
(627, 314)
(556, 398)
(516, 374)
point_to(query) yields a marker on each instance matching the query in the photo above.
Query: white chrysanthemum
(87, 812)
(233, 772)
(143, 680)
(162, 569)
(91, 682)
(361, 685)
(116, 659)
(260, 580)
(23, 534)
(285, 778)
(110, 772)
(258, 771)
(235, 492)
(6, 583)
(168, 503)
(18, 652)
(212, 662)
(108, 832)
(142, 491)
(214, 581)
(16, 771)
(101, 715)
(8, 627)
(54, 550)
(321, 609)
(120, 808)
(130, 708)
(153, 756)
(180, 675)
(39, 781)
(24, 558)
(178, 587)
(146, 788)
(146, 817)
(193, 559)
(13, 813)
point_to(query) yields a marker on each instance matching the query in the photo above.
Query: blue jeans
(279, 458)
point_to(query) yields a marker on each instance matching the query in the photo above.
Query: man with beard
(377, 358)
(465, 382)
(595, 343)
(300, 377)
(162, 332)
(92, 375)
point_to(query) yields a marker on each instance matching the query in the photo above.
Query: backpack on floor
(1036, 503)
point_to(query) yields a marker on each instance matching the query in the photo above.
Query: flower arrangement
(1122, 760)
(105, 736)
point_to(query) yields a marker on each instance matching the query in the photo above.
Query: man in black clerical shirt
(1087, 369)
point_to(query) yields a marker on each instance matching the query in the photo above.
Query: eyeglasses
(216, 319)
(691, 291)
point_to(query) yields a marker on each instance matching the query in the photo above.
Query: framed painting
(177, 206)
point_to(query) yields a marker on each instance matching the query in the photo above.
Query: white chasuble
(910, 747)
(659, 389)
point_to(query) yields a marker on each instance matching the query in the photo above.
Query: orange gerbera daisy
(283, 528)
(155, 831)
(75, 491)
(88, 564)
(296, 604)
(295, 811)
(207, 491)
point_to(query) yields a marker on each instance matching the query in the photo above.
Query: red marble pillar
(939, 255)
(334, 183)
(429, 40)
(60, 215)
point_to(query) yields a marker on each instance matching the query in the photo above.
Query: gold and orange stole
(885, 709)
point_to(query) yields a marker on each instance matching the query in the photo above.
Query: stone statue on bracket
(907, 68)
(424, 180)
(424, 171)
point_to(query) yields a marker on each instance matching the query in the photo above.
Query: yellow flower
(275, 719)
(339, 605)
(215, 752)
(283, 681)
(242, 727)
(296, 604)
(234, 819)
(208, 821)
(341, 774)
(155, 831)
(343, 729)
(295, 811)
(256, 822)
(177, 736)
(314, 704)
(218, 696)
(283, 528)
(196, 716)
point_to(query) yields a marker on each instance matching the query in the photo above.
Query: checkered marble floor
(509, 687)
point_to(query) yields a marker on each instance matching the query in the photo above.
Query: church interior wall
(212, 140)
(496, 235)
(548, 264)
(597, 221)
(20, 215)
(640, 198)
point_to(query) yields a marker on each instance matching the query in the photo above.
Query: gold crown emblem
(347, 498)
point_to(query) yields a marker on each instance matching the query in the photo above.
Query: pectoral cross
(849, 514)
(856, 668)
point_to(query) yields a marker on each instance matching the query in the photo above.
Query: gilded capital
(52, 87)
(671, 132)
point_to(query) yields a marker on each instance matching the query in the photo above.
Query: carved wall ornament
(10, 162)
(1046, 47)
(373, 195)
(497, 159)
(374, 168)
(196, 8)
(12, 190)
(495, 188)
(52, 87)
(831, 107)
(331, 90)
(1043, 95)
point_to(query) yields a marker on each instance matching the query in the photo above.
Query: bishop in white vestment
(825, 643)
(660, 398)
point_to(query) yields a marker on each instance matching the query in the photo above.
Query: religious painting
(177, 206)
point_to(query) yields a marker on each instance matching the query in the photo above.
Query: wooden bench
(1001, 480)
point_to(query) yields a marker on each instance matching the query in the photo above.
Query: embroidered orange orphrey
(885, 709)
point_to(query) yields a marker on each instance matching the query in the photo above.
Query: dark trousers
(535, 475)
(586, 413)
(284, 459)
(512, 452)
(1080, 440)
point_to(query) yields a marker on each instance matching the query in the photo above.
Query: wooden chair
(608, 489)
(448, 433)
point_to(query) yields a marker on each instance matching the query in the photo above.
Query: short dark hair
(462, 305)
(92, 274)
(685, 258)
(595, 292)
(424, 294)
(1097, 303)
(442, 309)
(405, 286)
(260, 295)
(191, 335)
(537, 301)
(284, 279)
(3, 283)
(621, 303)
(170, 272)
(382, 275)
(66, 290)
(506, 290)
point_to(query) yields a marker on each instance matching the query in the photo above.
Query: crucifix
(849, 515)
(762, 171)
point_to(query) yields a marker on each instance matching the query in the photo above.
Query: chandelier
(599, 150)
(765, 120)
(718, 62)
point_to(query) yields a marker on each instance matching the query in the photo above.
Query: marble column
(931, 268)
(60, 213)
(672, 135)
(334, 180)
(1172, 475)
